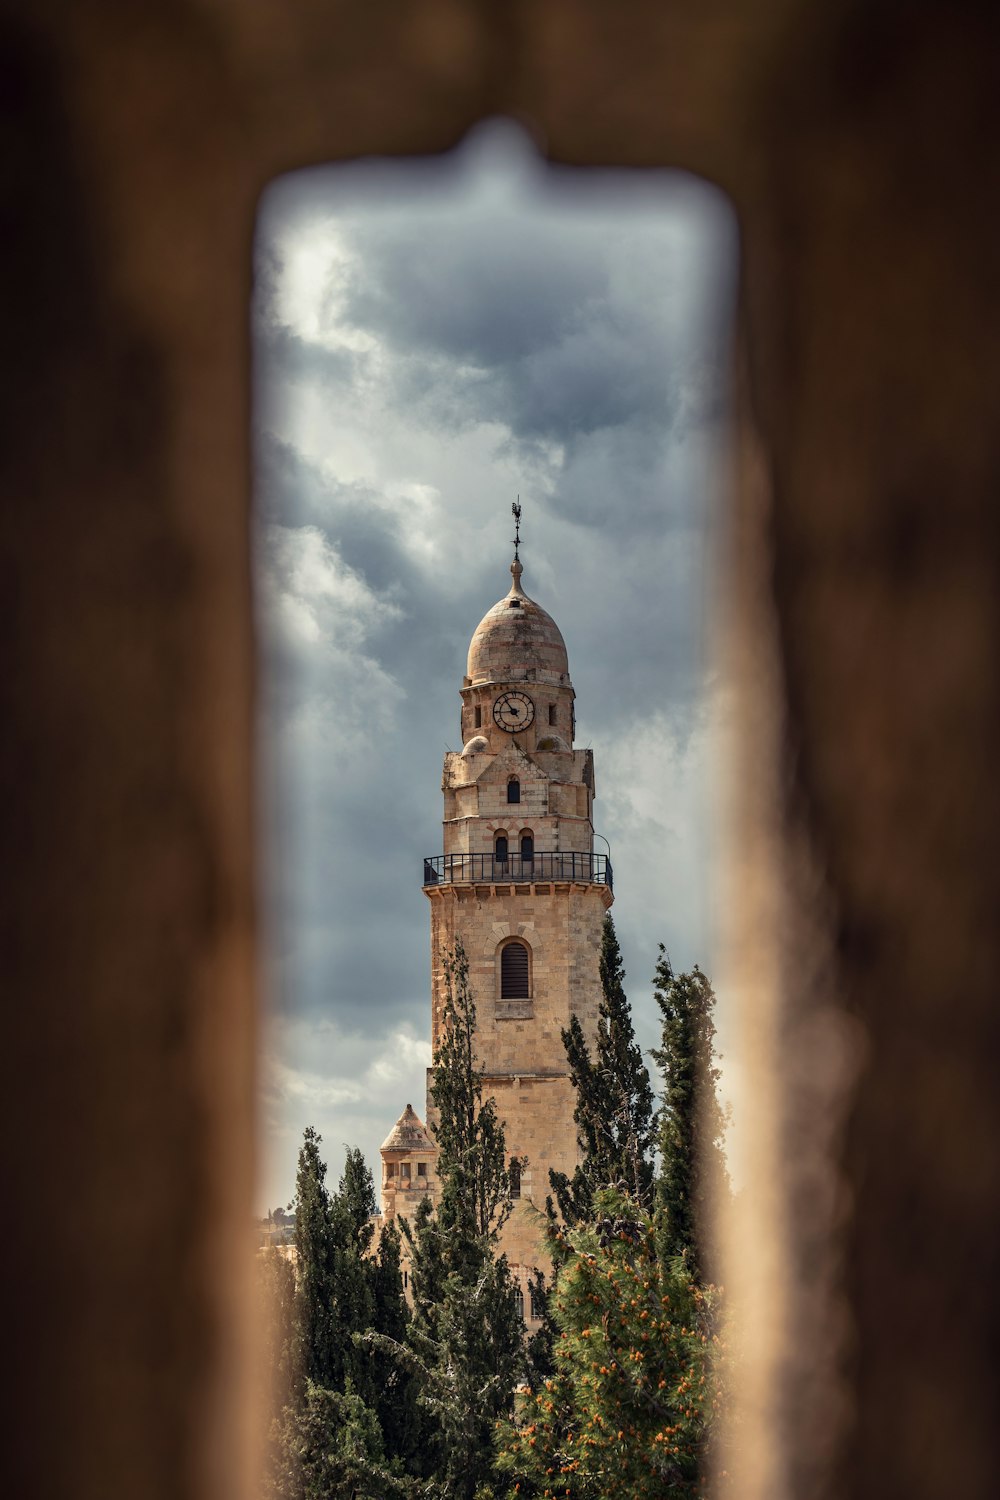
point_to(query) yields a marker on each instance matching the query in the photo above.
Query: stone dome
(517, 641)
(478, 745)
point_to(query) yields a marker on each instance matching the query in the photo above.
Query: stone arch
(514, 969)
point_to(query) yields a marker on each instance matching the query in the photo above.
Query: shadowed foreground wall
(858, 144)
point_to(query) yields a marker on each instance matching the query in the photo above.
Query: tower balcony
(489, 869)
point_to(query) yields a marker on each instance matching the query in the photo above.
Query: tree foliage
(317, 1350)
(614, 1099)
(343, 1413)
(693, 1178)
(332, 1449)
(634, 1383)
(403, 1424)
(472, 1167)
(276, 1361)
(618, 1389)
(351, 1233)
(628, 1408)
(465, 1339)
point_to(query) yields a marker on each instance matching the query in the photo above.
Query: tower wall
(560, 924)
(520, 868)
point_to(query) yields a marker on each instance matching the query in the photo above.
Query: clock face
(513, 711)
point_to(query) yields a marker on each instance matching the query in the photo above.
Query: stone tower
(520, 885)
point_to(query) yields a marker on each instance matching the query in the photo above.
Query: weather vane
(515, 511)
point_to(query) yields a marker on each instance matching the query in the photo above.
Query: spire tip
(515, 566)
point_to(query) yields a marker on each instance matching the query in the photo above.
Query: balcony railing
(489, 869)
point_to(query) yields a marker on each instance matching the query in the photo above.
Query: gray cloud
(488, 290)
(558, 336)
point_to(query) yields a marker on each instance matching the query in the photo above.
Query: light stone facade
(517, 868)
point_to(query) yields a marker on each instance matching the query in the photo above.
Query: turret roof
(408, 1134)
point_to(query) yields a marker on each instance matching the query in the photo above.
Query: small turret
(408, 1158)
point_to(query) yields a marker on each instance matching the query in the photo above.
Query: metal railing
(489, 869)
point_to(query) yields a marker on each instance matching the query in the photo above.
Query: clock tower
(519, 884)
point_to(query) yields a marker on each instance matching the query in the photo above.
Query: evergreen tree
(334, 1297)
(387, 1285)
(275, 1365)
(318, 1348)
(351, 1233)
(628, 1408)
(335, 1451)
(540, 1346)
(402, 1423)
(276, 1299)
(334, 1375)
(465, 1339)
(614, 1099)
(693, 1176)
(356, 1196)
(473, 1172)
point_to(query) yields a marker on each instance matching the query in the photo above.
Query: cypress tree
(540, 1346)
(351, 1233)
(336, 1451)
(334, 1368)
(318, 1352)
(614, 1100)
(692, 1127)
(465, 1338)
(275, 1366)
(403, 1428)
(356, 1195)
(472, 1164)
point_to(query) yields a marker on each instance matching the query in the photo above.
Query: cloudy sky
(430, 342)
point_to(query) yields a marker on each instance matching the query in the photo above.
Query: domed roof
(517, 641)
(478, 745)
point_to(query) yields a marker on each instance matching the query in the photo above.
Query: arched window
(514, 972)
(500, 850)
(513, 790)
(527, 845)
(515, 1177)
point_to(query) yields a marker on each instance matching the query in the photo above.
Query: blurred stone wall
(857, 142)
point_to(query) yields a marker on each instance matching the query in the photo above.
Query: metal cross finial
(515, 511)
